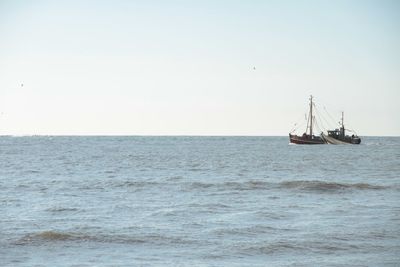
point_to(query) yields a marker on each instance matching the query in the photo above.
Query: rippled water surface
(198, 201)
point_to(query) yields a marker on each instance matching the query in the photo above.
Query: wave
(276, 247)
(137, 184)
(327, 186)
(248, 185)
(175, 178)
(55, 236)
(310, 185)
(61, 209)
(102, 185)
(289, 246)
(48, 236)
(246, 231)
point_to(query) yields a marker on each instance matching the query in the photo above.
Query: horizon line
(157, 135)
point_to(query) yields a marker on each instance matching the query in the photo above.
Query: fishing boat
(308, 138)
(338, 136)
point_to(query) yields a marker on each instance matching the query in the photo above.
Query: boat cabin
(337, 133)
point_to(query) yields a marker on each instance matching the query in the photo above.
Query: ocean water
(198, 201)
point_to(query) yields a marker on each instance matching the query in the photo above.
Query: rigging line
(334, 121)
(351, 130)
(321, 124)
(303, 121)
(300, 125)
(317, 125)
(315, 122)
(300, 119)
(321, 119)
(321, 116)
(297, 126)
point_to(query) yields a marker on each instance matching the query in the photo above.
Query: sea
(198, 201)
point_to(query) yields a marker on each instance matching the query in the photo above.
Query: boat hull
(306, 140)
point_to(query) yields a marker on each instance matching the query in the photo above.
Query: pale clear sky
(186, 67)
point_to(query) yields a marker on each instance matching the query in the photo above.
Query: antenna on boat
(311, 116)
(342, 131)
(342, 119)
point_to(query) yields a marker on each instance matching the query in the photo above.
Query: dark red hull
(306, 140)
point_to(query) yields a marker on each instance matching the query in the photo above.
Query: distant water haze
(206, 68)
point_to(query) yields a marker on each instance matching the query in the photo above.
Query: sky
(197, 67)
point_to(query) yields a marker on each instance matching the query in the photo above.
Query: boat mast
(342, 129)
(342, 119)
(311, 116)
